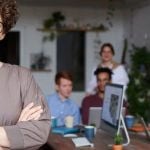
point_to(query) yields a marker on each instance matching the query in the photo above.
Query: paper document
(81, 141)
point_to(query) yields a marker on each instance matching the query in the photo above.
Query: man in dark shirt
(103, 76)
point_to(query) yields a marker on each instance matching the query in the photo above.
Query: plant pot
(117, 147)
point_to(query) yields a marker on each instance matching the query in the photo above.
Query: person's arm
(33, 133)
(28, 113)
(77, 119)
(122, 76)
(4, 142)
(85, 111)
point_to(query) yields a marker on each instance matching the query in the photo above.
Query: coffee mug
(89, 132)
(69, 121)
(53, 122)
(129, 120)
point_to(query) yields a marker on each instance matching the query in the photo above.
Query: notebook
(81, 141)
(64, 130)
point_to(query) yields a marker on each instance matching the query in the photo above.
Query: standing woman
(119, 75)
(24, 118)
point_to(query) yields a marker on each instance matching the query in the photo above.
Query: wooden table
(101, 141)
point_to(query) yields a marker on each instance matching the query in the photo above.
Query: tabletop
(101, 141)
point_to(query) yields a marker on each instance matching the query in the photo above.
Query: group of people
(24, 113)
(108, 71)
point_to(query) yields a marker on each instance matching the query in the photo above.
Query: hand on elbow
(30, 112)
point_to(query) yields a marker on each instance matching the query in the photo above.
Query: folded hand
(30, 112)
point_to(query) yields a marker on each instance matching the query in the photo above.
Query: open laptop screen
(112, 104)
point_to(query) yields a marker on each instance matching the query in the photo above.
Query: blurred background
(67, 34)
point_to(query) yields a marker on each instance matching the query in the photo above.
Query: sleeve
(122, 77)
(91, 85)
(77, 116)
(29, 134)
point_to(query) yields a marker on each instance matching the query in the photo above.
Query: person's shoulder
(73, 103)
(89, 98)
(120, 67)
(16, 69)
(51, 96)
(115, 65)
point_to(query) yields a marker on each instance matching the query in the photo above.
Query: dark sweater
(89, 101)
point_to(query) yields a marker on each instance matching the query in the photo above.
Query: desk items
(53, 122)
(138, 128)
(63, 130)
(129, 121)
(81, 141)
(141, 127)
(69, 121)
(70, 135)
(118, 140)
(89, 132)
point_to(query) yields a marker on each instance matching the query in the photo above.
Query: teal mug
(53, 122)
(89, 132)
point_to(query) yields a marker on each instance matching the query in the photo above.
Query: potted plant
(53, 22)
(138, 91)
(118, 142)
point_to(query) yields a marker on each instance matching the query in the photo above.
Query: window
(9, 48)
(71, 56)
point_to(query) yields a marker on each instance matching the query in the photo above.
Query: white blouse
(119, 76)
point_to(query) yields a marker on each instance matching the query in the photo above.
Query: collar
(67, 100)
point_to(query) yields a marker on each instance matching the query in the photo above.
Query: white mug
(69, 121)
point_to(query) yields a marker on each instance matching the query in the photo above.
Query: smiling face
(102, 79)
(106, 54)
(64, 88)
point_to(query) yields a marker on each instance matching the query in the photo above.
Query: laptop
(95, 115)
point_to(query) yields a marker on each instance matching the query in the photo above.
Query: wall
(32, 18)
(141, 26)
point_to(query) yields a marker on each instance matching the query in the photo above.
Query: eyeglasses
(1, 27)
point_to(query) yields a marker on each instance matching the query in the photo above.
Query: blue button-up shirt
(60, 109)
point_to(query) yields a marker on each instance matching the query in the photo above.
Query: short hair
(63, 74)
(103, 70)
(9, 14)
(107, 45)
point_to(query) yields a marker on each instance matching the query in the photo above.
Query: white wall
(141, 26)
(32, 18)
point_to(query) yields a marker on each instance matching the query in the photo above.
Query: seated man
(59, 103)
(103, 76)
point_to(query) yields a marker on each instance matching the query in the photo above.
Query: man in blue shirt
(59, 103)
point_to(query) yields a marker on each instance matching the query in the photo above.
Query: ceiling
(81, 3)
